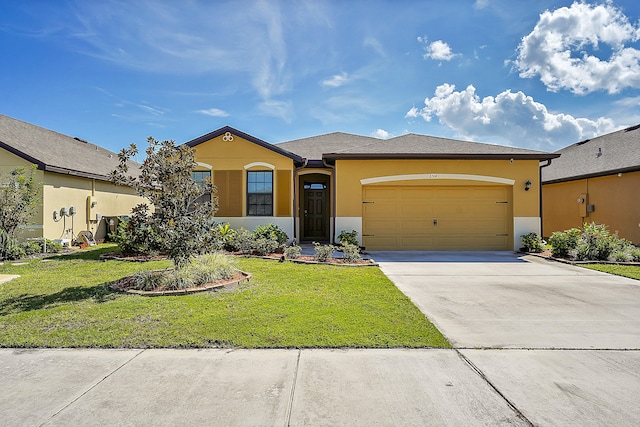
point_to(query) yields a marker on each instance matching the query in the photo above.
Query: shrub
(323, 253)
(635, 254)
(9, 247)
(242, 241)
(621, 256)
(271, 232)
(263, 246)
(562, 242)
(228, 237)
(351, 253)
(292, 252)
(208, 268)
(134, 235)
(596, 243)
(149, 280)
(532, 242)
(52, 247)
(31, 247)
(348, 237)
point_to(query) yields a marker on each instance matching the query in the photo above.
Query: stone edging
(208, 287)
(573, 262)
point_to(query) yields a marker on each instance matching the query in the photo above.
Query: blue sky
(534, 74)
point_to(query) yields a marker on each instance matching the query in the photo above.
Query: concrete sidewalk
(246, 388)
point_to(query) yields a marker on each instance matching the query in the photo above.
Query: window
(260, 193)
(201, 177)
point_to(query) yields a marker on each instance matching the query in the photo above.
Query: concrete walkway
(508, 317)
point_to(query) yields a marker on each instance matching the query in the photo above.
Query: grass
(631, 271)
(66, 302)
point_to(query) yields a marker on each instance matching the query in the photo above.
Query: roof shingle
(604, 155)
(55, 152)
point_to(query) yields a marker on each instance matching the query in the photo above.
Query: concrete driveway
(560, 343)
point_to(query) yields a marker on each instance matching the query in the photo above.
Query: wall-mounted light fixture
(581, 200)
(527, 185)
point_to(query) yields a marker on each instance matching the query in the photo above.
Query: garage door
(436, 218)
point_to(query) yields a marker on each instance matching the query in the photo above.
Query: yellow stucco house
(74, 178)
(412, 192)
(596, 180)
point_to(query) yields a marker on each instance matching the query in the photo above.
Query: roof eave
(439, 156)
(71, 172)
(22, 155)
(592, 175)
(216, 133)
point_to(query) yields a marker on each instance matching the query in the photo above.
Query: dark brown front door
(315, 212)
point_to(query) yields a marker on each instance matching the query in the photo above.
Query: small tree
(165, 180)
(18, 199)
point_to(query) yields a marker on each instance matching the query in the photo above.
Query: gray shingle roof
(314, 147)
(604, 155)
(55, 152)
(342, 145)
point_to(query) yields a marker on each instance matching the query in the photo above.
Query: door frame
(319, 178)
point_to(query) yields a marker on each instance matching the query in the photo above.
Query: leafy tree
(18, 199)
(165, 180)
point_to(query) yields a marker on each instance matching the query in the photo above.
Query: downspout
(540, 186)
(295, 196)
(333, 199)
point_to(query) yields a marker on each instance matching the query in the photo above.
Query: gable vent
(632, 128)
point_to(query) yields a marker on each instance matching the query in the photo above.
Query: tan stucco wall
(239, 154)
(66, 191)
(615, 198)
(350, 172)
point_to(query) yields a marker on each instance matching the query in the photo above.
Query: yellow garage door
(437, 218)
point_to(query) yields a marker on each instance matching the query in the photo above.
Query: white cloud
(247, 48)
(437, 50)
(381, 134)
(280, 109)
(563, 46)
(336, 80)
(511, 118)
(481, 4)
(213, 112)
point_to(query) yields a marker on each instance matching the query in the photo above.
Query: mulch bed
(302, 259)
(547, 255)
(127, 284)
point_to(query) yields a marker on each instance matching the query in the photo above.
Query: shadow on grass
(90, 254)
(100, 293)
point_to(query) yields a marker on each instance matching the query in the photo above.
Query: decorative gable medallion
(227, 137)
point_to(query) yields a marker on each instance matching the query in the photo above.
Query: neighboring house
(73, 173)
(596, 180)
(409, 192)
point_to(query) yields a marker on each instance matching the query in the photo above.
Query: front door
(315, 224)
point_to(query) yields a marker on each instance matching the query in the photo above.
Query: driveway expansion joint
(293, 389)
(126, 362)
(481, 374)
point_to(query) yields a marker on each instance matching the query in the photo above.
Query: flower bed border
(231, 284)
(577, 262)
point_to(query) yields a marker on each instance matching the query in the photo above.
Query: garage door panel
(467, 218)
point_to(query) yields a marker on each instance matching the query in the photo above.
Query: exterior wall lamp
(527, 185)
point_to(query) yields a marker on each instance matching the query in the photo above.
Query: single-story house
(596, 180)
(76, 192)
(412, 192)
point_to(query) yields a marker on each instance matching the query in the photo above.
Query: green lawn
(66, 302)
(631, 271)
